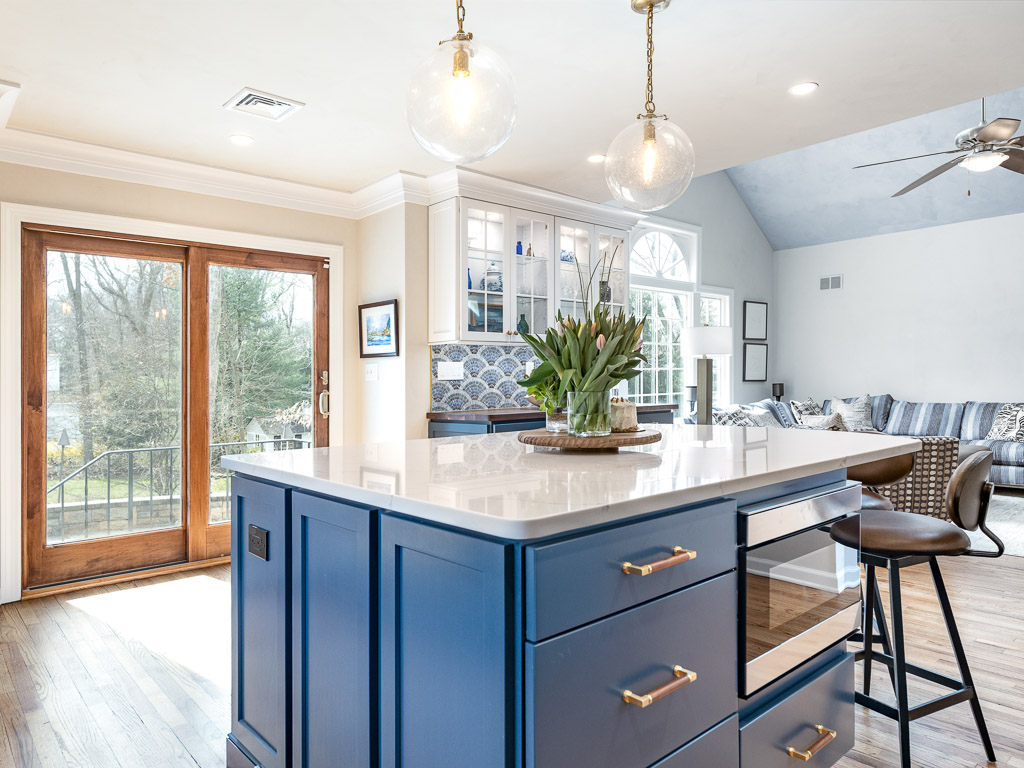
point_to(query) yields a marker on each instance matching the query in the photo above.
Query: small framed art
(378, 329)
(755, 320)
(755, 362)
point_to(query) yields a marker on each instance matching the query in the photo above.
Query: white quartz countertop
(495, 485)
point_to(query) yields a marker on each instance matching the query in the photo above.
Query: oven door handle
(827, 737)
(679, 555)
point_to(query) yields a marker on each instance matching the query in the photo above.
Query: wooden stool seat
(897, 534)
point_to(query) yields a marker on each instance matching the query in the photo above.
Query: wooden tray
(607, 444)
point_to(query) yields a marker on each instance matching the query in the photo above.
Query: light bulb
(461, 103)
(803, 89)
(983, 161)
(649, 164)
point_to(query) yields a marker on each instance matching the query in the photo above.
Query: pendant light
(649, 164)
(461, 103)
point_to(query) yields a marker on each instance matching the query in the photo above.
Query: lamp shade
(706, 340)
(778, 390)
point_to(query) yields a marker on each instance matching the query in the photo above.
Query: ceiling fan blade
(915, 157)
(929, 176)
(1000, 129)
(1014, 161)
(1019, 141)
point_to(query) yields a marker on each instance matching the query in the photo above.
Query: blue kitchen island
(472, 602)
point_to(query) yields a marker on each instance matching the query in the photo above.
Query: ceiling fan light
(983, 161)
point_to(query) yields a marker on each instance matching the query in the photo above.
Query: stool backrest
(884, 471)
(969, 491)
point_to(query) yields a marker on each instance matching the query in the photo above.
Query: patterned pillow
(762, 417)
(831, 423)
(856, 415)
(806, 408)
(1008, 424)
(735, 418)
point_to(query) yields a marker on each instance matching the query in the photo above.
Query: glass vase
(590, 413)
(557, 422)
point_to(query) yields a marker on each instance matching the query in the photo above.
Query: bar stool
(896, 540)
(880, 473)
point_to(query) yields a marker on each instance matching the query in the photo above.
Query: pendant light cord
(650, 59)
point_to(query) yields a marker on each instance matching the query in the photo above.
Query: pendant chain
(460, 13)
(650, 59)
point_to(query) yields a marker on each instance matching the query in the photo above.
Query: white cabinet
(495, 267)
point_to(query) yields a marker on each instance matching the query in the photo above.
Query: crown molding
(59, 154)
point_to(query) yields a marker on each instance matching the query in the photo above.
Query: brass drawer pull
(828, 736)
(683, 678)
(679, 555)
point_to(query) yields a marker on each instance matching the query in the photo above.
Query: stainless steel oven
(800, 591)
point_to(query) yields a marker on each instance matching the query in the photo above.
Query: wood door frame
(195, 540)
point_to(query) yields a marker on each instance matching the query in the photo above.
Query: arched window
(658, 255)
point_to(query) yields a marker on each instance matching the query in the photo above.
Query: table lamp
(778, 391)
(701, 341)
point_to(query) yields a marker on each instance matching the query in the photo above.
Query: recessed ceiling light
(241, 140)
(802, 89)
(595, 159)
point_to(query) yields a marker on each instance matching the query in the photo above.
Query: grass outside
(74, 489)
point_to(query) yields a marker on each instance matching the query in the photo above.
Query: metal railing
(135, 467)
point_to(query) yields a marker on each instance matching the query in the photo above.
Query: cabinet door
(447, 693)
(612, 282)
(259, 632)
(486, 259)
(332, 694)
(574, 242)
(533, 241)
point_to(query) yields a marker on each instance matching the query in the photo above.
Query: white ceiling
(152, 76)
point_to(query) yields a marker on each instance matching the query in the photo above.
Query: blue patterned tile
(508, 387)
(490, 354)
(507, 365)
(456, 352)
(474, 388)
(492, 399)
(439, 390)
(457, 402)
(492, 373)
(473, 364)
(523, 353)
(491, 376)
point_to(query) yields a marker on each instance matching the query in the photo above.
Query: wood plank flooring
(136, 675)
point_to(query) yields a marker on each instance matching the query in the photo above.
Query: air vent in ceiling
(830, 283)
(266, 105)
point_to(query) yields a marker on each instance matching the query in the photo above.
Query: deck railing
(137, 489)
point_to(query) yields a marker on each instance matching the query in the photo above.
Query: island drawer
(578, 580)
(794, 720)
(718, 748)
(576, 713)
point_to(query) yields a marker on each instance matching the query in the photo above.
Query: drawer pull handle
(827, 737)
(683, 677)
(679, 555)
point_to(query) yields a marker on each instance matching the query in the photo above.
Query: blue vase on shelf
(522, 326)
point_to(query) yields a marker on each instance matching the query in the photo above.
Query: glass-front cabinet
(496, 270)
(532, 235)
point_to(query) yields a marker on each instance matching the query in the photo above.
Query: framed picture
(755, 362)
(755, 320)
(378, 329)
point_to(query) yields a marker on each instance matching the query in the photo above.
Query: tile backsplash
(490, 375)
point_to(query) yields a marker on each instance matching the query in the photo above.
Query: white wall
(929, 314)
(735, 254)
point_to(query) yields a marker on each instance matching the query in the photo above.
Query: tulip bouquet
(587, 357)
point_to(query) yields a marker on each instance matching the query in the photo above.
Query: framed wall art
(378, 329)
(755, 362)
(755, 320)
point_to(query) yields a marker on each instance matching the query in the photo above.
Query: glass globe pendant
(461, 103)
(650, 163)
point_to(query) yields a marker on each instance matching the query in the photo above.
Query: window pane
(657, 254)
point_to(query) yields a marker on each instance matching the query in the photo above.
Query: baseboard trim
(117, 578)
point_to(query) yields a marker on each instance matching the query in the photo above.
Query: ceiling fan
(986, 146)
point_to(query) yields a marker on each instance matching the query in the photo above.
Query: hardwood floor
(136, 675)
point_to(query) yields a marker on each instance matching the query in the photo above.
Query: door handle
(324, 403)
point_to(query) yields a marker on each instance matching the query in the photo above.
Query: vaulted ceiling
(814, 195)
(151, 77)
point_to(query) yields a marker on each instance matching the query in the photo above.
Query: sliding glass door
(144, 364)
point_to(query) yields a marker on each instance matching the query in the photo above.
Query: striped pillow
(925, 419)
(978, 418)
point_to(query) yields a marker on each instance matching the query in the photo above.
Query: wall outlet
(528, 367)
(448, 371)
(372, 372)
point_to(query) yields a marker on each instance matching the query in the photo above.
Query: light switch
(529, 366)
(449, 371)
(372, 372)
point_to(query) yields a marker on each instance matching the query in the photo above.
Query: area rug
(1006, 520)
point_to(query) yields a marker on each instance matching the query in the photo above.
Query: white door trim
(12, 216)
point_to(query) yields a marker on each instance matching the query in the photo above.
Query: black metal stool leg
(900, 664)
(961, 657)
(869, 627)
(883, 631)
